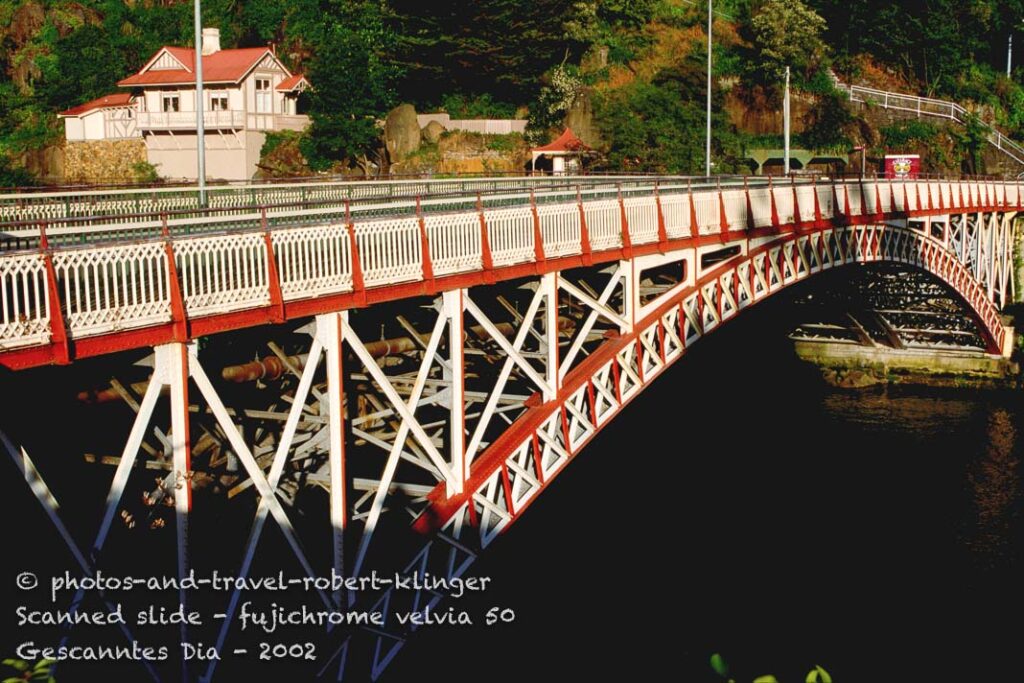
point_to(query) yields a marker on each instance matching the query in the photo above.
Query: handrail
(92, 230)
(930, 107)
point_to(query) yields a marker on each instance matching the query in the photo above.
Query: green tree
(786, 33)
(659, 126)
(479, 46)
(353, 86)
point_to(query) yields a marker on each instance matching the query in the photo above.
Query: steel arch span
(472, 414)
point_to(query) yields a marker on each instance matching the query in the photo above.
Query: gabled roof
(296, 82)
(223, 66)
(119, 99)
(566, 142)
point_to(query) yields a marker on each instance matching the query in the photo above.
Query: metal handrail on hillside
(926, 106)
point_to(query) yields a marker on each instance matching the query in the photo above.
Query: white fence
(485, 126)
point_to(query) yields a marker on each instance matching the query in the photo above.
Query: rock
(401, 132)
(432, 132)
(103, 161)
(580, 118)
(855, 379)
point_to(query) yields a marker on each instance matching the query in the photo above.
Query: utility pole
(1009, 54)
(785, 126)
(200, 127)
(707, 145)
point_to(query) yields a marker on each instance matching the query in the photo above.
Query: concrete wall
(228, 157)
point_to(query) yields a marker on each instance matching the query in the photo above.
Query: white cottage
(111, 117)
(247, 92)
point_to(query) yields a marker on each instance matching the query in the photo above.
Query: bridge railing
(113, 202)
(130, 284)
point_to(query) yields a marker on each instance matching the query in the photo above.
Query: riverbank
(852, 366)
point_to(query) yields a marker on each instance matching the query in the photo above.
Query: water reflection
(994, 485)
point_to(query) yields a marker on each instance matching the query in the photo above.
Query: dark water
(738, 506)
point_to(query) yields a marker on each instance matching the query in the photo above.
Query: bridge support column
(549, 285)
(453, 307)
(172, 365)
(330, 333)
(630, 297)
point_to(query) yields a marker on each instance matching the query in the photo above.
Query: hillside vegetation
(629, 73)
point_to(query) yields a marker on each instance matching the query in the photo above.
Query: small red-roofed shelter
(565, 146)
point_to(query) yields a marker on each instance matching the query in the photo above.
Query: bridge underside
(430, 424)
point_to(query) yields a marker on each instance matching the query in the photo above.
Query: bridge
(438, 352)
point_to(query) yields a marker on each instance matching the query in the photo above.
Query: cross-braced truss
(431, 424)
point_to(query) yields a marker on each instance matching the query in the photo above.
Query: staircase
(926, 106)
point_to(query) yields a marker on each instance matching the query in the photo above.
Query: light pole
(785, 127)
(1009, 54)
(707, 144)
(200, 128)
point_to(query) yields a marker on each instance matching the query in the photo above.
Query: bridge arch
(741, 243)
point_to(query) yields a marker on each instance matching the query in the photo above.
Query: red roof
(119, 99)
(291, 83)
(223, 66)
(566, 142)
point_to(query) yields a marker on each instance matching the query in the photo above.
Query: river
(742, 506)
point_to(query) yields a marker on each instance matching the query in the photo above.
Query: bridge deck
(217, 272)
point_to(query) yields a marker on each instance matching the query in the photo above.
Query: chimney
(211, 40)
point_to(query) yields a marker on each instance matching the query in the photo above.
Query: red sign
(902, 165)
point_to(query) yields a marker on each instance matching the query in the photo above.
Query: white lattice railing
(24, 301)
(106, 288)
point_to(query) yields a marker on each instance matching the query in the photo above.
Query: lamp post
(200, 128)
(707, 144)
(785, 127)
(1009, 54)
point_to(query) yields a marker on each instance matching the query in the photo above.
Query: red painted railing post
(486, 259)
(796, 205)
(627, 243)
(273, 278)
(836, 217)
(538, 236)
(585, 248)
(58, 328)
(694, 228)
(750, 205)
(428, 266)
(723, 218)
(662, 232)
(358, 283)
(818, 222)
(775, 208)
(179, 318)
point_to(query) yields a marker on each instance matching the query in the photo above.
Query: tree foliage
(786, 33)
(353, 83)
(653, 126)
(478, 46)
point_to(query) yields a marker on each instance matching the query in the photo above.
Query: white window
(140, 101)
(218, 100)
(170, 102)
(264, 105)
